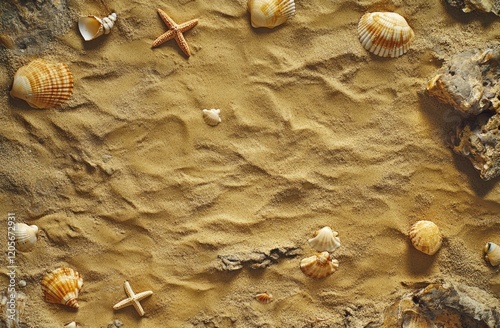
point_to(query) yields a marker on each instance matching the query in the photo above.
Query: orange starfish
(175, 32)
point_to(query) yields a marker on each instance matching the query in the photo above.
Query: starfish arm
(142, 295)
(170, 34)
(179, 38)
(138, 308)
(120, 305)
(165, 18)
(187, 25)
(128, 289)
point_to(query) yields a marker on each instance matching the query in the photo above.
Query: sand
(127, 182)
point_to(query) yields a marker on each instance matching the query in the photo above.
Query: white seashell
(319, 266)
(71, 325)
(62, 286)
(270, 13)
(325, 240)
(385, 34)
(492, 253)
(264, 298)
(426, 237)
(43, 84)
(26, 236)
(92, 27)
(211, 116)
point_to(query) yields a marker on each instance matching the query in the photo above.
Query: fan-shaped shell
(325, 239)
(426, 237)
(270, 13)
(385, 34)
(26, 236)
(92, 27)
(43, 84)
(264, 298)
(62, 286)
(211, 116)
(319, 266)
(492, 253)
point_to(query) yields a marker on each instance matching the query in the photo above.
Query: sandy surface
(127, 182)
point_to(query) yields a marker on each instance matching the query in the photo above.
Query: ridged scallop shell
(325, 239)
(62, 286)
(43, 84)
(211, 116)
(270, 13)
(492, 253)
(264, 298)
(26, 236)
(319, 266)
(385, 34)
(92, 27)
(426, 237)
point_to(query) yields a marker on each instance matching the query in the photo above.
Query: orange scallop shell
(319, 266)
(426, 237)
(62, 286)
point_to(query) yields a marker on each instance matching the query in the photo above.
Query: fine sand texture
(127, 182)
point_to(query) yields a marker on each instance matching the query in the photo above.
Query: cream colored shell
(492, 253)
(385, 34)
(92, 27)
(26, 236)
(325, 239)
(270, 13)
(264, 298)
(43, 84)
(211, 116)
(426, 237)
(319, 266)
(62, 286)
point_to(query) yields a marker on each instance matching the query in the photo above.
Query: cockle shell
(319, 266)
(325, 240)
(72, 324)
(26, 236)
(270, 13)
(211, 116)
(264, 298)
(426, 237)
(92, 27)
(43, 84)
(492, 253)
(62, 286)
(385, 34)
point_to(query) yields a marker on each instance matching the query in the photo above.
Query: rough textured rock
(479, 140)
(444, 304)
(470, 81)
(257, 259)
(481, 5)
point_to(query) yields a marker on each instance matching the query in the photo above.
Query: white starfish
(133, 299)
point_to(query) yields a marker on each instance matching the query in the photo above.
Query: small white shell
(92, 27)
(26, 236)
(211, 116)
(492, 253)
(71, 325)
(385, 34)
(270, 13)
(325, 240)
(426, 237)
(319, 266)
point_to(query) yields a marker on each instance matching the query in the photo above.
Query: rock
(481, 5)
(470, 81)
(255, 260)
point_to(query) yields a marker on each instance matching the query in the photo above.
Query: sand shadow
(486, 19)
(417, 262)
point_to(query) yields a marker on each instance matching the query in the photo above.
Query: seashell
(62, 286)
(26, 236)
(43, 84)
(264, 298)
(92, 27)
(325, 240)
(385, 34)
(211, 116)
(426, 237)
(270, 13)
(492, 253)
(71, 325)
(319, 266)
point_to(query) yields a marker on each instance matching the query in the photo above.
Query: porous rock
(481, 5)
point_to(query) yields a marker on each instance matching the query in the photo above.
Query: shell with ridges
(270, 13)
(264, 298)
(385, 34)
(325, 240)
(492, 253)
(43, 84)
(92, 27)
(26, 236)
(62, 286)
(319, 266)
(426, 237)
(211, 116)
